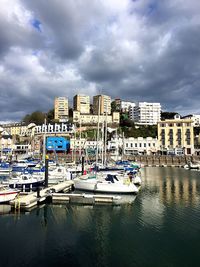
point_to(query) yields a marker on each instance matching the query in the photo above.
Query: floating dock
(88, 199)
(25, 202)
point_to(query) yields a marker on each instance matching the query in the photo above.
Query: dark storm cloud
(143, 50)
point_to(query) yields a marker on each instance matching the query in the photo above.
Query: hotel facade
(176, 136)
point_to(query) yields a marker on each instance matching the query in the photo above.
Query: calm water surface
(161, 228)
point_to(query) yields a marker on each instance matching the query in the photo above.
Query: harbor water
(160, 228)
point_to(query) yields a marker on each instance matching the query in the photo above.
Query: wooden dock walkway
(89, 199)
(24, 202)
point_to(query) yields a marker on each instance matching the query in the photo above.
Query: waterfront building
(140, 146)
(57, 144)
(92, 119)
(61, 109)
(176, 136)
(6, 142)
(145, 113)
(105, 104)
(125, 106)
(22, 148)
(82, 143)
(133, 146)
(82, 104)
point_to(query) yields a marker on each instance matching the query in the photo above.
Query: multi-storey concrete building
(82, 104)
(61, 109)
(176, 136)
(146, 113)
(125, 105)
(105, 104)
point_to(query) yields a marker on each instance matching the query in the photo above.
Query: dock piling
(46, 170)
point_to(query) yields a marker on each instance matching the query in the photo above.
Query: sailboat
(105, 183)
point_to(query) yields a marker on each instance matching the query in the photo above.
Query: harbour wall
(151, 160)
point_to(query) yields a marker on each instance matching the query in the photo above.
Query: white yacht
(105, 184)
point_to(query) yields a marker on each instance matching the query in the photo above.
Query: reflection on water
(160, 228)
(5, 209)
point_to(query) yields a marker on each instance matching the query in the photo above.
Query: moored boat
(105, 184)
(7, 194)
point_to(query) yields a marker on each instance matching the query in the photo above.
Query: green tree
(36, 117)
(168, 115)
(113, 106)
(50, 116)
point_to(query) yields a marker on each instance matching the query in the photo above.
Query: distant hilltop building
(144, 113)
(105, 104)
(61, 109)
(125, 106)
(195, 119)
(82, 104)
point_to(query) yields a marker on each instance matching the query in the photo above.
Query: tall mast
(44, 140)
(105, 144)
(97, 146)
(80, 138)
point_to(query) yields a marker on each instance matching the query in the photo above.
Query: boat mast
(105, 143)
(44, 140)
(102, 140)
(80, 146)
(122, 145)
(97, 145)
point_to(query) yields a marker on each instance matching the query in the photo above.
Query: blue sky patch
(36, 24)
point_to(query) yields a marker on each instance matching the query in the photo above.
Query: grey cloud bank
(137, 50)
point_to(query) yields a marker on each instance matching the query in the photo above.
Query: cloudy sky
(138, 50)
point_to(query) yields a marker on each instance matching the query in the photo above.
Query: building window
(140, 144)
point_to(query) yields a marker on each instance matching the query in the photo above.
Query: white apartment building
(145, 113)
(194, 118)
(82, 143)
(61, 109)
(105, 104)
(125, 105)
(133, 146)
(140, 145)
(82, 104)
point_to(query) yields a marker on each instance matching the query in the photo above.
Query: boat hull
(104, 187)
(7, 196)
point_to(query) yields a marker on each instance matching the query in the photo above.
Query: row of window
(140, 145)
(188, 124)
